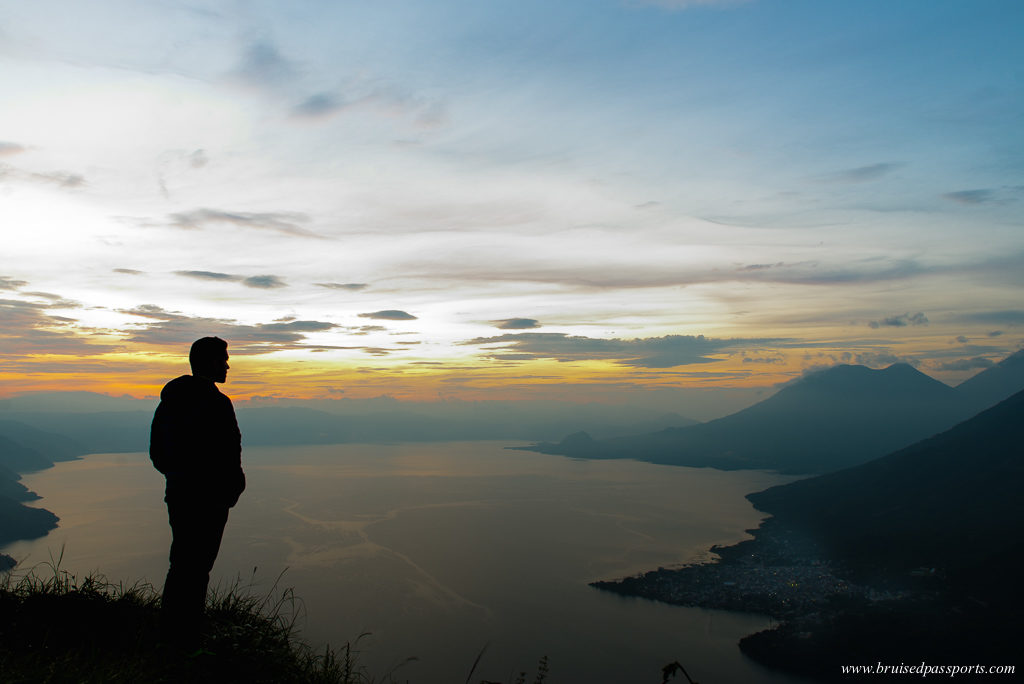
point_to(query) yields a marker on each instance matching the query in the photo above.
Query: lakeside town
(778, 574)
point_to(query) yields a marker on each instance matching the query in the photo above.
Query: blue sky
(799, 182)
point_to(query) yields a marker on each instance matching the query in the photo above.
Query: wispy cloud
(861, 174)
(516, 323)
(9, 149)
(286, 222)
(263, 65)
(63, 179)
(344, 286)
(967, 364)
(319, 105)
(11, 283)
(389, 315)
(979, 196)
(263, 282)
(209, 275)
(128, 271)
(26, 329)
(1004, 317)
(883, 358)
(900, 321)
(172, 327)
(652, 352)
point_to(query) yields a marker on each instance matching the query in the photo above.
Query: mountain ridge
(824, 421)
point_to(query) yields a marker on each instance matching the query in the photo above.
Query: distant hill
(11, 488)
(952, 501)
(72, 402)
(826, 421)
(20, 458)
(24, 449)
(23, 522)
(992, 385)
(50, 445)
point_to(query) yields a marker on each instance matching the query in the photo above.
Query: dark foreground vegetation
(56, 628)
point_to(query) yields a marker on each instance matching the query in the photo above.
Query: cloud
(25, 329)
(862, 174)
(389, 315)
(11, 284)
(264, 282)
(652, 352)
(876, 359)
(995, 333)
(285, 222)
(128, 271)
(980, 196)
(176, 328)
(900, 321)
(9, 149)
(153, 311)
(319, 105)
(209, 275)
(344, 286)
(643, 275)
(516, 323)
(1005, 317)
(967, 364)
(56, 301)
(263, 65)
(62, 179)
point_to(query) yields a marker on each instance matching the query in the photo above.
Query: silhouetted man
(196, 444)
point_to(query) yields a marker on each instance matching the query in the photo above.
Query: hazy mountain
(950, 501)
(266, 423)
(828, 420)
(20, 458)
(72, 402)
(50, 445)
(994, 384)
(92, 433)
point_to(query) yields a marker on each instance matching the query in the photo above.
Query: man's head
(209, 358)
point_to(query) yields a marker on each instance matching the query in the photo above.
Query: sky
(485, 199)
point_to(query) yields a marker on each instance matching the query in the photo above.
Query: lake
(438, 550)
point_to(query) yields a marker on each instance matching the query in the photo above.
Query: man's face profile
(219, 372)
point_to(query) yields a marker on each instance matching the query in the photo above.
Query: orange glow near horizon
(305, 376)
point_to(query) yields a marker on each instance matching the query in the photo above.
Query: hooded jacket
(196, 444)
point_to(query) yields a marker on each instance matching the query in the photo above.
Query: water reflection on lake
(441, 549)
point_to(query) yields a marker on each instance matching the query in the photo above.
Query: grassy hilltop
(61, 629)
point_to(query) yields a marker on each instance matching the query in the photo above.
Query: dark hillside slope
(951, 501)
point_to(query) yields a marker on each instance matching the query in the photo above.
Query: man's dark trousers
(196, 528)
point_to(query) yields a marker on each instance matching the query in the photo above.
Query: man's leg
(197, 530)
